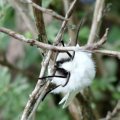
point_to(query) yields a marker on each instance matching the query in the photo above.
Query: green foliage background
(15, 88)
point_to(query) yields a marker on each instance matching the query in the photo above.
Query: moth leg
(51, 76)
(67, 80)
(44, 78)
(66, 75)
(52, 87)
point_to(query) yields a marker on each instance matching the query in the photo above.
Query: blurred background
(20, 63)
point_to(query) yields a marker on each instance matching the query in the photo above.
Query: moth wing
(68, 98)
(64, 99)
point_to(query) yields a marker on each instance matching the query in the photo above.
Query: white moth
(82, 72)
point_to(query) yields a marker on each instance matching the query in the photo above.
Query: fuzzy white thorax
(82, 72)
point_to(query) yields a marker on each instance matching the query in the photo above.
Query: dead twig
(38, 15)
(88, 48)
(42, 45)
(96, 45)
(46, 11)
(115, 114)
(30, 25)
(96, 22)
(109, 53)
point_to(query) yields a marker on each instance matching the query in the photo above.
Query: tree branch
(46, 11)
(42, 45)
(109, 53)
(88, 48)
(30, 25)
(40, 23)
(96, 22)
(71, 32)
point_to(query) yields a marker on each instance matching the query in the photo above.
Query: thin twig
(47, 11)
(109, 53)
(62, 29)
(52, 47)
(38, 15)
(99, 43)
(30, 25)
(34, 42)
(71, 32)
(89, 48)
(115, 114)
(96, 20)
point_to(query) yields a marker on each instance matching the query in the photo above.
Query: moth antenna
(82, 21)
(67, 51)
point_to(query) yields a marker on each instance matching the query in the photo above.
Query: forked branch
(46, 11)
(88, 48)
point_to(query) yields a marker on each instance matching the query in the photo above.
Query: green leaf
(83, 34)
(52, 30)
(46, 3)
(4, 79)
(114, 34)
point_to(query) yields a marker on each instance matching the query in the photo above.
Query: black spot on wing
(63, 60)
(62, 71)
